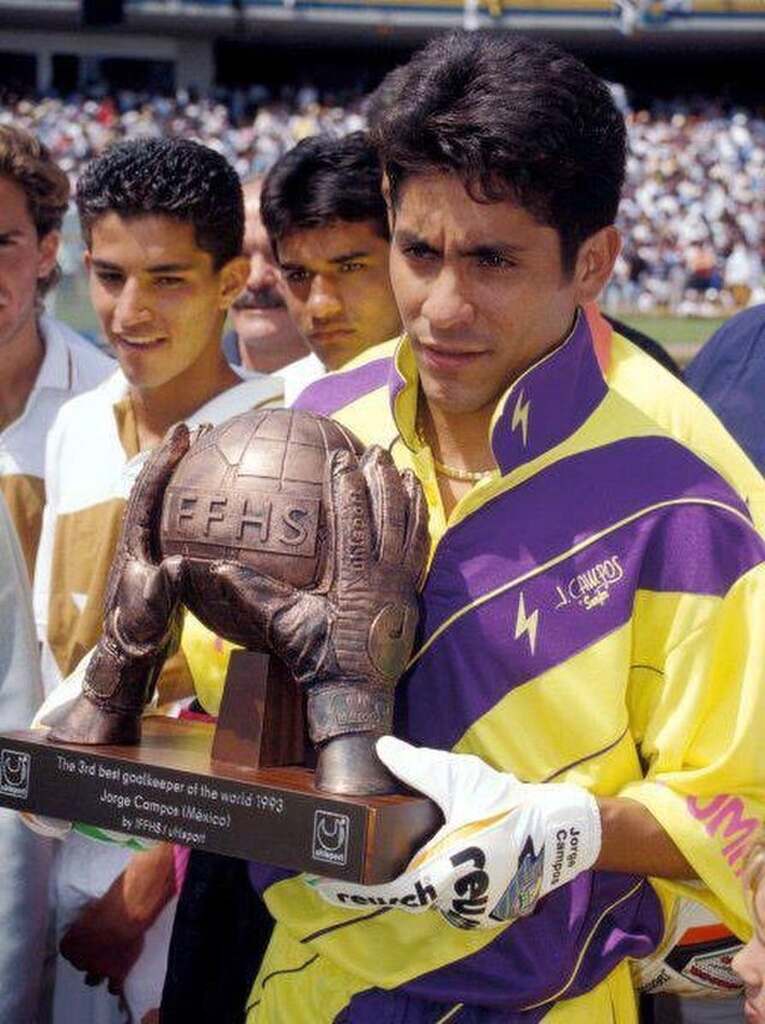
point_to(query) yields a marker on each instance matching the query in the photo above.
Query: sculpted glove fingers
(388, 505)
(252, 600)
(504, 844)
(142, 615)
(417, 541)
(351, 522)
(145, 616)
(145, 502)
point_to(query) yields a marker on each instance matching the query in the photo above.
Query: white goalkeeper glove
(503, 845)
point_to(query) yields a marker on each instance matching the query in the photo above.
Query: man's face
(24, 259)
(338, 289)
(260, 313)
(481, 290)
(749, 962)
(159, 299)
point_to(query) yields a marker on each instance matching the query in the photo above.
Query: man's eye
(295, 276)
(418, 251)
(495, 261)
(108, 277)
(351, 267)
(169, 282)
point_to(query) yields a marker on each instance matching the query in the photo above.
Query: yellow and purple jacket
(592, 614)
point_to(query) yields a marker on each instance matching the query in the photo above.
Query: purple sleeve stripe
(330, 394)
(593, 924)
(695, 552)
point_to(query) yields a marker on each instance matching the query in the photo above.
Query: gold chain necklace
(473, 476)
(451, 472)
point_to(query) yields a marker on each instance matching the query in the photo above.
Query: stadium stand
(692, 218)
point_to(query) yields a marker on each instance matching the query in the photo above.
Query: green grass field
(681, 336)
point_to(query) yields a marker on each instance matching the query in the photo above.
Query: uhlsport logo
(14, 773)
(331, 833)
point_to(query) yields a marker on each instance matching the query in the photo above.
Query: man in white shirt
(44, 361)
(24, 857)
(163, 223)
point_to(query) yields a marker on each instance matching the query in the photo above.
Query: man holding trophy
(583, 695)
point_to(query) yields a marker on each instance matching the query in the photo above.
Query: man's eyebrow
(404, 237)
(157, 268)
(346, 257)
(169, 268)
(492, 249)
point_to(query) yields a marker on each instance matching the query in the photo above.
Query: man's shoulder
(253, 390)
(90, 409)
(87, 363)
(735, 352)
(361, 377)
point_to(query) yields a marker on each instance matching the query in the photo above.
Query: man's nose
(324, 302)
(448, 305)
(263, 273)
(132, 307)
(745, 965)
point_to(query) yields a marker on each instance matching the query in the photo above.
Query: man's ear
(595, 263)
(48, 250)
(385, 189)
(233, 280)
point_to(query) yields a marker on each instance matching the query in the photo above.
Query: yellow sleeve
(697, 707)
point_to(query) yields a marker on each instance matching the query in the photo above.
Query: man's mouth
(140, 343)
(259, 298)
(448, 357)
(330, 332)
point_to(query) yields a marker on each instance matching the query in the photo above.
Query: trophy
(283, 535)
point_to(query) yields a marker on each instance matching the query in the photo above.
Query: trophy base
(171, 787)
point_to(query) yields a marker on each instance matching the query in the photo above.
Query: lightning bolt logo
(521, 416)
(526, 624)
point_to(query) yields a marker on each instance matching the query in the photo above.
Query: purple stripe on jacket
(330, 394)
(560, 507)
(541, 622)
(532, 960)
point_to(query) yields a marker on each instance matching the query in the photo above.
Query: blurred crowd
(692, 215)
(693, 210)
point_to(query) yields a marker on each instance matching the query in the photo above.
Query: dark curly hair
(174, 178)
(516, 118)
(321, 180)
(26, 162)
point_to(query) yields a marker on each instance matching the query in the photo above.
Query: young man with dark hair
(325, 216)
(586, 694)
(44, 362)
(163, 223)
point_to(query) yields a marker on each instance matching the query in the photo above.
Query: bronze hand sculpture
(142, 616)
(348, 641)
(345, 631)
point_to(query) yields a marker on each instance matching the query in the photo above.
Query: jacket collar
(540, 409)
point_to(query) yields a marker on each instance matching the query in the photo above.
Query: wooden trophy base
(240, 788)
